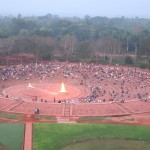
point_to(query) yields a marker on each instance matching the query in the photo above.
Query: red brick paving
(28, 136)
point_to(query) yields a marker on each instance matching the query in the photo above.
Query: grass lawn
(94, 119)
(90, 137)
(10, 115)
(12, 136)
(39, 117)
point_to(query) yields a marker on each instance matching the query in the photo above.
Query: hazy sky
(80, 8)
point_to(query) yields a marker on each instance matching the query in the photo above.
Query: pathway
(28, 136)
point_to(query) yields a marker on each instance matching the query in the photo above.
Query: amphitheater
(92, 90)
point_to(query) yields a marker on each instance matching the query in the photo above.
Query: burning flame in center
(30, 85)
(62, 90)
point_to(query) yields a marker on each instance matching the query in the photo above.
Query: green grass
(10, 115)
(91, 118)
(40, 117)
(95, 119)
(60, 136)
(108, 144)
(12, 135)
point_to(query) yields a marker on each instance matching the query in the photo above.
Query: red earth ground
(25, 96)
(43, 91)
(132, 112)
(22, 100)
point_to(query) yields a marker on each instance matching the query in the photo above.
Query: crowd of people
(106, 83)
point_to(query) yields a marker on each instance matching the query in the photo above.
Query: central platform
(43, 91)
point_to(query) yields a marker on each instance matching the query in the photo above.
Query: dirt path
(28, 136)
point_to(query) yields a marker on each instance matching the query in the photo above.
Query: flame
(30, 85)
(62, 90)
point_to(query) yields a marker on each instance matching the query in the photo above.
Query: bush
(143, 66)
(128, 60)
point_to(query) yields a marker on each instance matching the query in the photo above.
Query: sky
(79, 8)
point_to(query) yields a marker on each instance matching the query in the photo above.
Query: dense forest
(90, 39)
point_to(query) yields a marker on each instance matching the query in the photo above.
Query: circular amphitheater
(91, 90)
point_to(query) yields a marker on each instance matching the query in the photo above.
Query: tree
(68, 44)
(144, 51)
(84, 52)
(6, 46)
(45, 47)
(128, 60)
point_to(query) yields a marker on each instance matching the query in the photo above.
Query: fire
(62, 90)
(30, 85)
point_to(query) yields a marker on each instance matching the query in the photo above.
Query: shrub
(128, 60)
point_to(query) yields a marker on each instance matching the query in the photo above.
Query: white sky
(80, 8)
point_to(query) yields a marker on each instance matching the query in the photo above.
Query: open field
(90, 137)
(11, 136)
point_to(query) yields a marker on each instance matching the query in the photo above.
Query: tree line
(75, 39)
